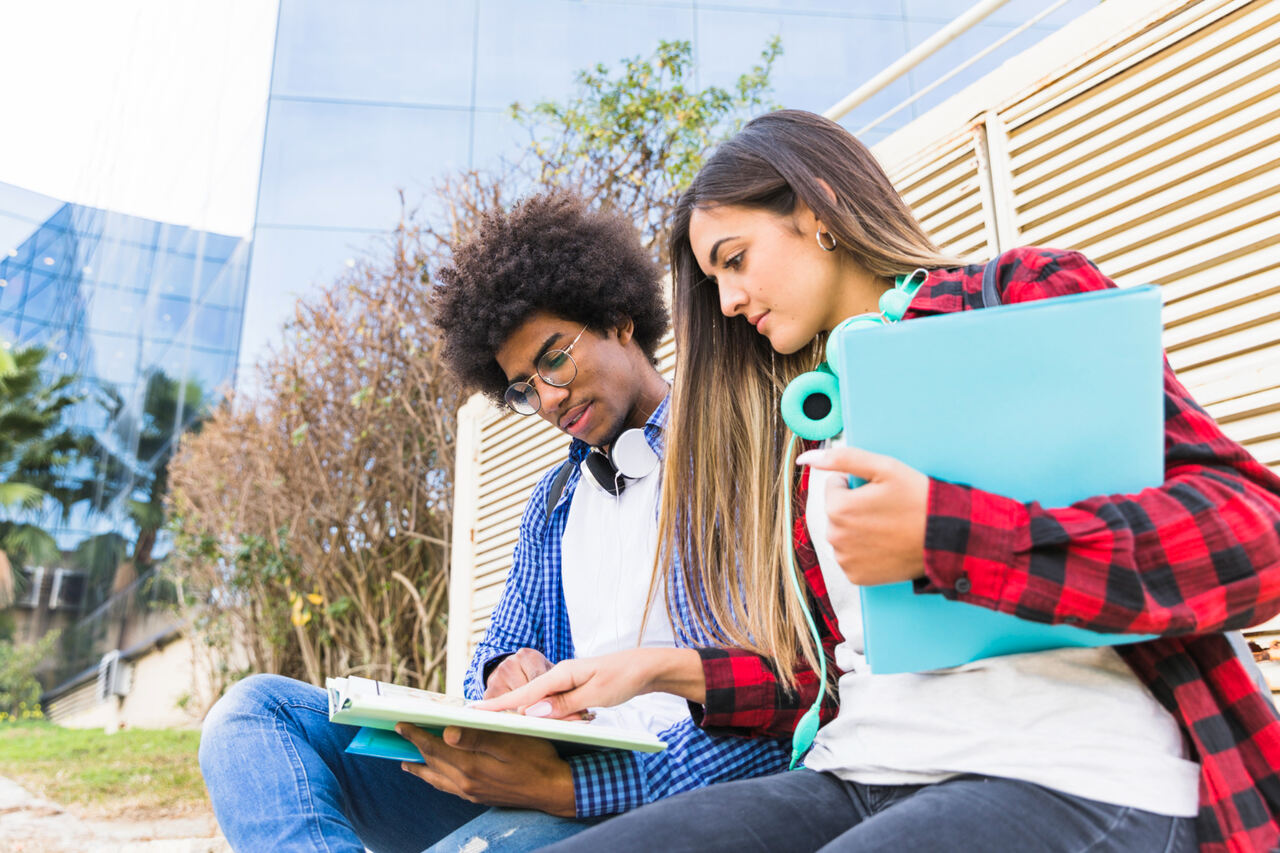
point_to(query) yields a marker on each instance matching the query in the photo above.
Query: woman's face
(769, 270)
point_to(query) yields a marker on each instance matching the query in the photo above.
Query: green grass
(144, 773)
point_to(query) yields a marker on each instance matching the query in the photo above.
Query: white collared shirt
(607, 559)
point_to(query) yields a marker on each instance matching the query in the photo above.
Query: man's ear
(626, 329)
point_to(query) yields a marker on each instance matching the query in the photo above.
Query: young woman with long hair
(788, 229)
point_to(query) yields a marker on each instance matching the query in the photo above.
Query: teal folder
(1051, 401)
(380, 743)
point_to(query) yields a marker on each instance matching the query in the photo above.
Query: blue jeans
(808, 811)
(280, 780)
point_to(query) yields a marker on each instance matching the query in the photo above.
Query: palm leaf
(21, 495)
(146, 515)
(30, 544)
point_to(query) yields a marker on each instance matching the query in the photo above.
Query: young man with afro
(556, 310)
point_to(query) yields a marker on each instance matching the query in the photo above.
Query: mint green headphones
(811, 402)
(811, 408)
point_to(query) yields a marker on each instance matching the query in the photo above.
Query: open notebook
(378, 706)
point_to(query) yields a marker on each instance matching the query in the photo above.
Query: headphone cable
(807, 727)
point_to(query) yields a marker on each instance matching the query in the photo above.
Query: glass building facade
(367, 99)
(146, 314)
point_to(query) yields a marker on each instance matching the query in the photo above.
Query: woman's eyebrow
(715, 247)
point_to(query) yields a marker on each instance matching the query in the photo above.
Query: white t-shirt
(1074, 720)
(606, 563)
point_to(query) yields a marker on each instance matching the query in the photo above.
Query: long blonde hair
(721, 520)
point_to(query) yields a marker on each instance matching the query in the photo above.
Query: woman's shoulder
(1024, 274)
(1034, 272)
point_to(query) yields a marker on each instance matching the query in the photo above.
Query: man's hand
(493, 768)
(877, 529)
(516, 670)
(571, 687)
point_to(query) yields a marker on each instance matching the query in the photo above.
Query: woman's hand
(877, 529)
(571, 687)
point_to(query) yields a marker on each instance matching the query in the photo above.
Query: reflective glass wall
(370, 98)
(146, 314)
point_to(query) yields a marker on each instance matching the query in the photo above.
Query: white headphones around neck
(630, 458)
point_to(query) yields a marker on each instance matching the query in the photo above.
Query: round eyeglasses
(555, 367)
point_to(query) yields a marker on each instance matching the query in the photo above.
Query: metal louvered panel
(1166, 87)
(1242, 376)
(1229, 283)
(515, 452)
(1204, 330)
(494, 547)
(945, 193)
(510, 460)
(1122, 42)
(666, 355)
(1145, 147)
(1165, 171)
(1266, 451)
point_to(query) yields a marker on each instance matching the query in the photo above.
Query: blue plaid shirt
(532, 614)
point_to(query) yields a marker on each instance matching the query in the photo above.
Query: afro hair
(548, 253)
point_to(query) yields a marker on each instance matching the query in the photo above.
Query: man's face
(595, 406)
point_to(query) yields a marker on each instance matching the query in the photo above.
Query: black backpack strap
(990, 290)
(557, 486)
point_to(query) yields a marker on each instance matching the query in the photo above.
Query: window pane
(340, 49)
(530, 51)
(340, 165)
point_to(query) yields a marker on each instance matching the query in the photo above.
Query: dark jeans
(804, 810)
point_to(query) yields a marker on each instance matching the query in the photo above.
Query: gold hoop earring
(823, 246)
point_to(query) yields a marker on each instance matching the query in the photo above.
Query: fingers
(504, 679)
(423, 772)
(561, 706)
(443, 777)
(425, 742)
(494, 744)
(532, 663)
(558, 679)
(570, 688)
(518, 669)
(443, 766)
(459, 738)
(849, 460)
(439, 752)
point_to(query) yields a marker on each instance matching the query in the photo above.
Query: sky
(122, 75)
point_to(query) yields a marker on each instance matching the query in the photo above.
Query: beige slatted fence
(1145, 136)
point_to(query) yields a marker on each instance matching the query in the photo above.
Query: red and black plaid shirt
(1194, 557)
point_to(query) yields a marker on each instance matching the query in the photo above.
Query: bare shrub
(312, 522)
